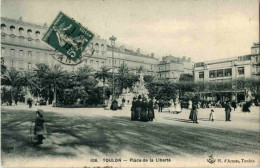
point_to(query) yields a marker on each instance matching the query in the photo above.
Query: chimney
(152, 55)
(189, 59)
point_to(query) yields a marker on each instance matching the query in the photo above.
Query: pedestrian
(190, 104)
(114, 105)
(178, 107)
(228, 111)
(172, 106)
(29, 102)
(39, 127)
(194, 114)
(144, 110)
(234, 105)
(160, 104)
(150, 110)
(123, 102)
(138, 108)
(211, 115)
(133, 109)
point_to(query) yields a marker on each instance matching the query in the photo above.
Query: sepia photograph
(130, 83)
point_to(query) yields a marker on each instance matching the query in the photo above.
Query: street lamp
(113, 39)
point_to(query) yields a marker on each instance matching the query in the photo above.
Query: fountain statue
(137, 89)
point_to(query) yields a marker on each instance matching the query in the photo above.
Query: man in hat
(228, 111)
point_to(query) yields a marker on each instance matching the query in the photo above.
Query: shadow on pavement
(73, 136)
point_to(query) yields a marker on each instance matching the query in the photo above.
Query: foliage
(103, 74)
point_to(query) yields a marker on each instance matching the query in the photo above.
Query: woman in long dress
(190, 104)
(195, 114)
(150, 110)
(144, 110)
(39, 127)
(178, 107)
(172, 107)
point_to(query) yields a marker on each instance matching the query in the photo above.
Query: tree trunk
(11, 97)
(55, 96)
(104, 90)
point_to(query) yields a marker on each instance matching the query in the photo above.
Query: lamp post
(113, 39)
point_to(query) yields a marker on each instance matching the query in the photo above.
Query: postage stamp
(68, 37)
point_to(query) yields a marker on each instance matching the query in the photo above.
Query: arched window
(96, 46)
(21, 30)
(37, 33)
(3, 26)
(102, 47)
(29, 31)
(12, 28)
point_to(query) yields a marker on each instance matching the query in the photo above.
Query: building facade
(22, 48)
(224, 70)
(172, 67)
(246, 66)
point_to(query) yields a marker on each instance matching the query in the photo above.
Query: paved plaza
(88, 133)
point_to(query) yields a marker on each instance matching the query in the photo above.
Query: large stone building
(22, 48)
(246, 66)
(172, 67)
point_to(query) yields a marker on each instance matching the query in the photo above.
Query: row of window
(12, 39)
(222, 73)
(21, 65)
(38, 55)
(20, 29)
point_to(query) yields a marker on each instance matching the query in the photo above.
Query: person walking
(144, 110)
(234, 105)
(133, 109)
(228, 111)
(172, 106)
(160, 104)
(39, 127)
(194, 114)
(150, 110)
(138, 108)
(190, 104)
(178, 107)
(211, 115)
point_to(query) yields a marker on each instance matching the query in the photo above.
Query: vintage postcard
(129, 83)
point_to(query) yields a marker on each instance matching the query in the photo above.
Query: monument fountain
(138, 89)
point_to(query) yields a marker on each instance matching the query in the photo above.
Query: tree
(26, 80)
(84, 84)
(122, 76)
(11, 78)
(140, 69)
(103, 74)
(54, 76)
(42, 84)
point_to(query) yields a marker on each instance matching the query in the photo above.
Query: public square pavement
(85, 133)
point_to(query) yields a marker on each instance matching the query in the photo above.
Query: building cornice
(21, 22)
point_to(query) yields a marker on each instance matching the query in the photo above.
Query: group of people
(172, 105)
(194, 113)
(142, 109)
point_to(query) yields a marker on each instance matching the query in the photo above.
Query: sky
(201, 29)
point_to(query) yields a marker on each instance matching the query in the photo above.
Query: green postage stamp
(67, 36)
